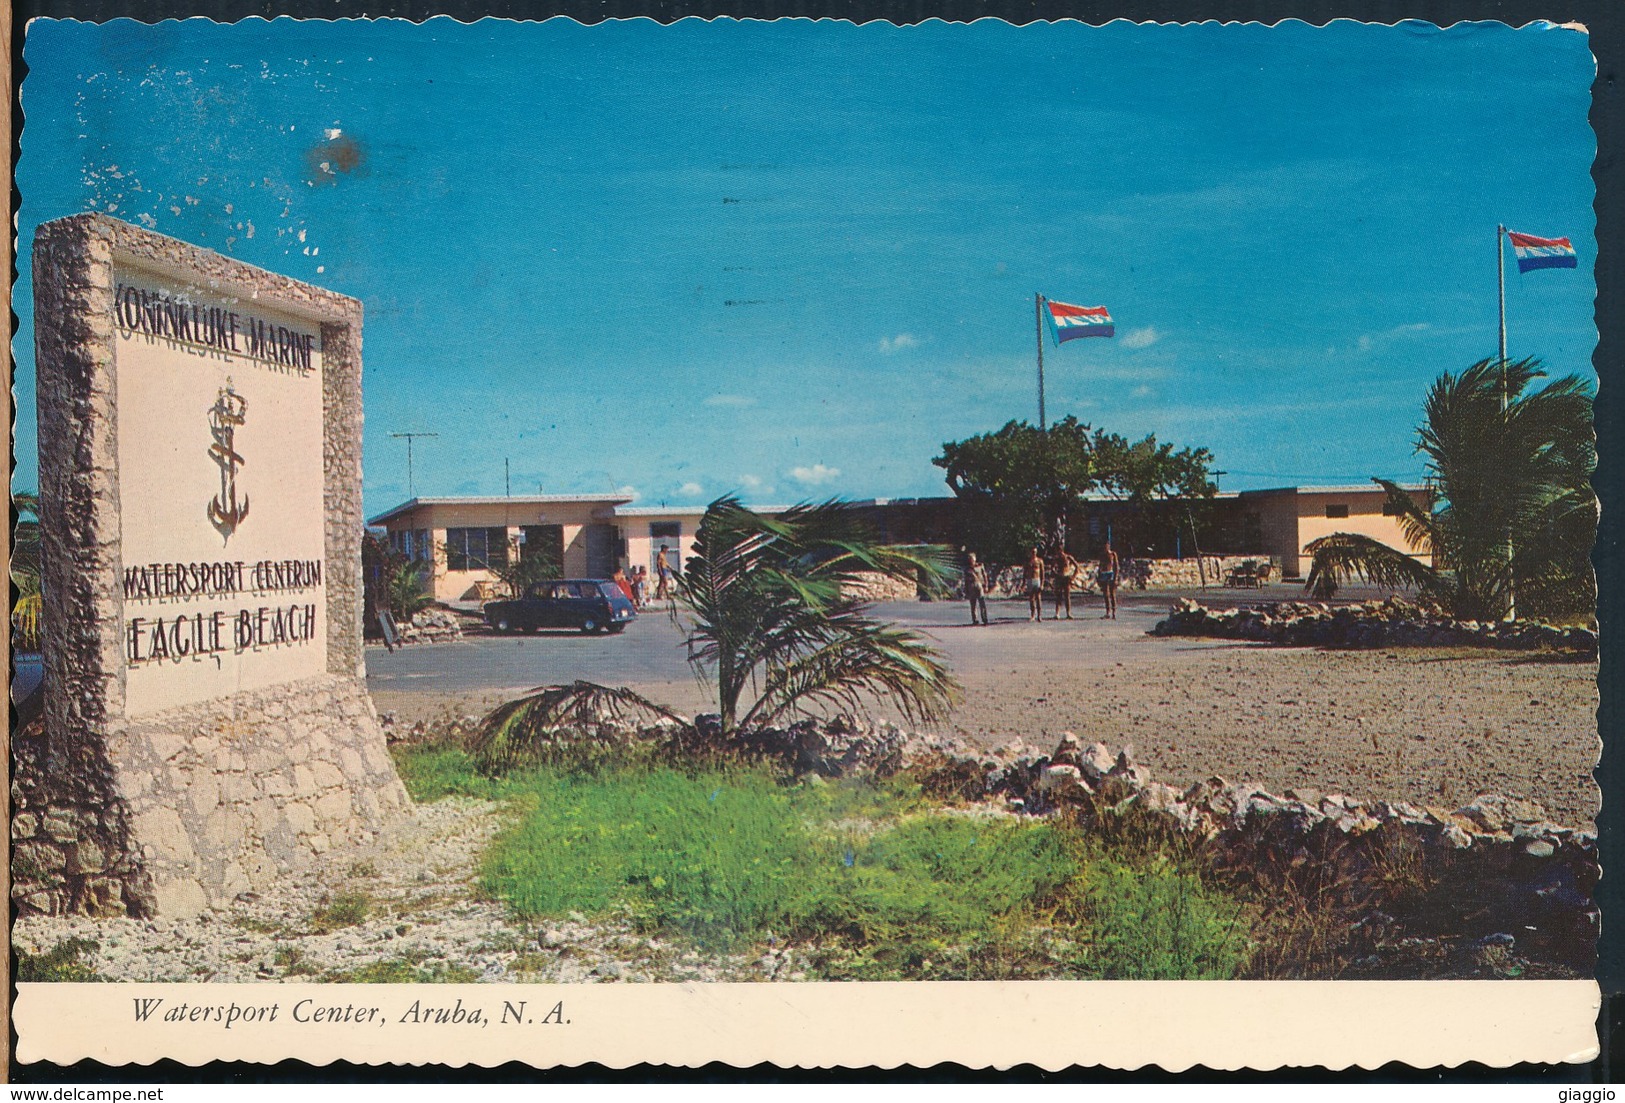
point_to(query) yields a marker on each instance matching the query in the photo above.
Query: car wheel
(589, 625)
(502, 625)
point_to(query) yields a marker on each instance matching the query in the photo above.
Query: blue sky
(791, 259)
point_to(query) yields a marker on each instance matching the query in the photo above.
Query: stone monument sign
(206, 722)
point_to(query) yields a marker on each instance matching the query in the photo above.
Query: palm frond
(554, 722)
(1414, 521)
(1344, 555)
(862, 659)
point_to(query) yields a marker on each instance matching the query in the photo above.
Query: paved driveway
(649, 656)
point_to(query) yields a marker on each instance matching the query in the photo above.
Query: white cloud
(1365, 342)
(691, 490)
(1142, 338)
(628, 492)
(750, 482)
(815, 474)
(899, 343)
(731, 400)
(1142, 391)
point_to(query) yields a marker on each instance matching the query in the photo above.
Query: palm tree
(773, 609)
(1516, 480)
(25, 570)
(775, 626)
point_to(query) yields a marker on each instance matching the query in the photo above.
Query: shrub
(344, 910)
(1155, 922)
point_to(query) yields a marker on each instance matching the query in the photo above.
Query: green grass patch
(346, 909)
(62, 962)
(432, 772)
(720, 856)
(871, 878)
(1156, 922)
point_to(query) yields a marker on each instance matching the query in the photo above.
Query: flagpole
(1501, 282)
(1038, 328)
(1501, 288)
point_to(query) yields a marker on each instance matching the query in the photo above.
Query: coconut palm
(25, 569)
(1518, 477)
(776, 624)
(777, 620)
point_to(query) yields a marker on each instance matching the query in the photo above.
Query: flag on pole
(1067, 321)
(1542, 252)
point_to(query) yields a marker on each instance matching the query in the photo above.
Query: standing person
(662, 575)
(1033, 578)
(640, 585)
(975, 588)
(1107, 577)
(1066, 573)
(620, 579)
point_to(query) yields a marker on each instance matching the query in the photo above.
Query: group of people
(636, 585)
(1034, 573)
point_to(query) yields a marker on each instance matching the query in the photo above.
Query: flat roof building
(461, 539)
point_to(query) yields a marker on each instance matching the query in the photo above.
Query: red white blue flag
(1542, 252)
(1067, 321)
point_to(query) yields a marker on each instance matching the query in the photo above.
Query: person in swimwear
(975, 588)
(1066, 573)
(1106, 575)
(1033, 579)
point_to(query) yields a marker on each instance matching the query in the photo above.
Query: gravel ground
(1426, 726)
(424, 920)
(1429, 727)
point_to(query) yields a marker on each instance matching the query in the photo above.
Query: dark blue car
(589, 604)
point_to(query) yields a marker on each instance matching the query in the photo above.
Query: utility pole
(409, 438)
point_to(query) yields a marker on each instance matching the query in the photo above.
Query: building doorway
(544, 541)
(603, 550)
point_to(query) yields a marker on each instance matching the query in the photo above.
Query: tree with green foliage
(392, 581)
(1151, 477)
(1516, 481)
(776, 625)
(525, 566)
(1023, 485)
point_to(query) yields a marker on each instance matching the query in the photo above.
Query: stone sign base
(186, 809)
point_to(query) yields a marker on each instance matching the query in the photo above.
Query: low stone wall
(1389, 623)
(1135, 574)
(203, 808)
(1501, 872)
(879, 586)
(1151, 574)
(431, 626)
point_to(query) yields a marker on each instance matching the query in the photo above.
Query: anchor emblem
(228, 412)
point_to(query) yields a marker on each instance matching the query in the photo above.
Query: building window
(476, 549)
(1337, 511)
(669, 533)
